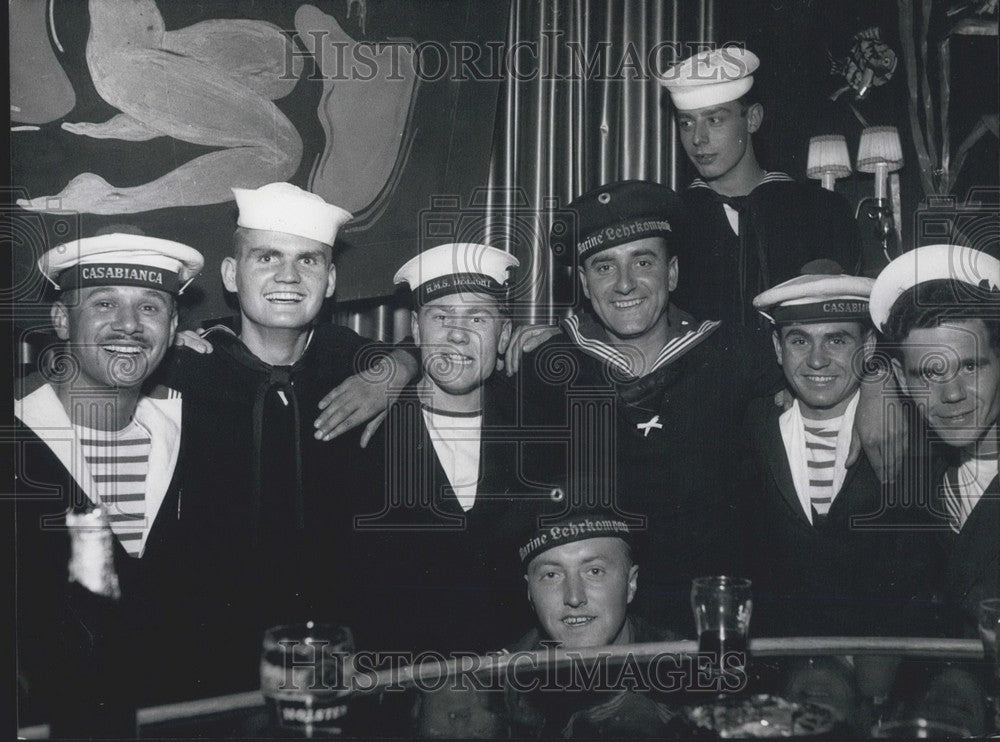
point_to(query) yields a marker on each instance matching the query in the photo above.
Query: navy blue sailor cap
(577, 525)
(615, 214)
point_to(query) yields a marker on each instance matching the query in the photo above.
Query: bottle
(96, 676)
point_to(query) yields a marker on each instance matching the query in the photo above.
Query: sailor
(938, 309)
(431, 541)
(754, 228)
(818, 569)
(266, 507)
(93, 437)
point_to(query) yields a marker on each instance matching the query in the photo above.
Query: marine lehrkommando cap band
(827, 296)
(457, 267)
(576, 527)
(283, 207)
(613, 215)
(931, 263)
(710, 78)
(121, 260)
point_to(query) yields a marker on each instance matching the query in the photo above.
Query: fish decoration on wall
(869, 63)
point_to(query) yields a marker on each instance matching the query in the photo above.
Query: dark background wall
(453, 122)
(797, 40)
(446, 147)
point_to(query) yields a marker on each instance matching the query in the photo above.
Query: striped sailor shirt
(118, 461)
(821, 448)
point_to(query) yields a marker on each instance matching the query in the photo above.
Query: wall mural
(211, 84)
(149, 111)
(363, 119)
(40, 92)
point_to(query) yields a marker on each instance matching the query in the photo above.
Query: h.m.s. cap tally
(456, 268)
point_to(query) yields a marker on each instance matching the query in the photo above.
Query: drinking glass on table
(989, 627)
(305, 675)
(722, 607)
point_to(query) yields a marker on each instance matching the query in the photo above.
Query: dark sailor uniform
(265, 514)
(76, 648)
(836, 576)
(783, 224)
(670, 441)
(960, 569)
(434, 576)
(576, 710)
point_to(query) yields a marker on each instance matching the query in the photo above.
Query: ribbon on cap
(567, 531)
(830, 310)
(455, 283)
(119, 274)
(616, 234)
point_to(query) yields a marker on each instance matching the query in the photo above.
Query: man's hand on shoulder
(525, 339)
(364, 397)
(193, 339)
(880, 429)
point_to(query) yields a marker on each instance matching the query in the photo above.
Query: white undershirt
(965, 487)
(734, 218)
(456, 443)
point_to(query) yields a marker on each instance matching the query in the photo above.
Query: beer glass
(722, 607)
(305, 673)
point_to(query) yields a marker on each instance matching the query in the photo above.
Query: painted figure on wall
(214, 84)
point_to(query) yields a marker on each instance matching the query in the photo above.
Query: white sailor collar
(775, 176)
(159, 413)
(592, 339)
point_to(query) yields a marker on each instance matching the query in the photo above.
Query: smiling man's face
(281, 279)
(581, 590)
(460, 337)
(117, 334)
(954, 373)
(820, 361)
(629, 287)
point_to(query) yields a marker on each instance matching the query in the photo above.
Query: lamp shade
(828, 154)
(880, 146)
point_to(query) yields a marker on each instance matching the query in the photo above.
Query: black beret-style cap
(578, 525)
(615, 214)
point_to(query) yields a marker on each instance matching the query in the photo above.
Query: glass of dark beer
(305, 677)
(722, 607)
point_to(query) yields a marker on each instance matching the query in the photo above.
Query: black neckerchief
(272, 378)
(753, 274)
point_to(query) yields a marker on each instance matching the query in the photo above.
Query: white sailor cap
(457, 267)
(710, 78)
(119, 259)
(283, 207)
(931, 263)
(822, 294)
